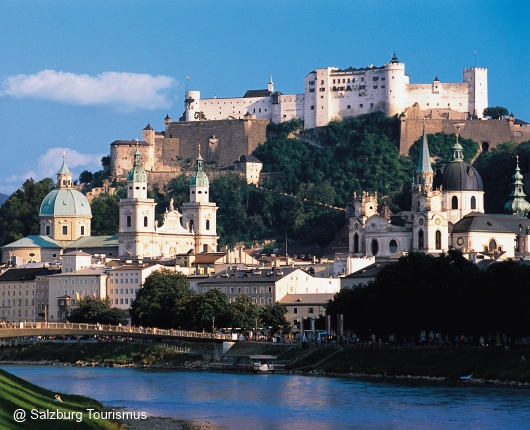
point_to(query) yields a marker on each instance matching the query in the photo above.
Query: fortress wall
(233, 138)
(122, 156)
(487, 133)
(438, 95)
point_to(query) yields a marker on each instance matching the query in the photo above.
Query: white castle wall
(333, 94)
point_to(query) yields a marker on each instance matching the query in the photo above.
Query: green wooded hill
(309, 174)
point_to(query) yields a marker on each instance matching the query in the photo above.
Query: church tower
(517, 205)
(137, 215)
(429, 224)
(199, 215)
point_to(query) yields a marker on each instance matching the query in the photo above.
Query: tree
(163, 301)
(211, 309)
(105, 215)
(85, 177)
(496, 112)
(19, 215)
(95, 310)
(273, 315)
(244, 313)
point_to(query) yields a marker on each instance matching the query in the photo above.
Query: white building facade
(332, 94)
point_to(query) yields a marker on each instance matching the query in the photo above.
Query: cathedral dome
(65, 202)
(461, 176)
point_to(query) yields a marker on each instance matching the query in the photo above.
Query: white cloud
(125, 90)
(48, 164)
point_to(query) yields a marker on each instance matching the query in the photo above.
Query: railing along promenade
(31, 329)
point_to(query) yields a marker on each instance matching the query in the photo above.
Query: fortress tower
(477, 78)
(397, 80)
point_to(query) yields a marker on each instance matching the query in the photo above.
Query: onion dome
(517, 205)
(64, 200)
(459, 175)
(137, 173)
(199, 178)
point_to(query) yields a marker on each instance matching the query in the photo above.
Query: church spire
(424, 172)
(270, 86)
(458, 151)
(517, 205)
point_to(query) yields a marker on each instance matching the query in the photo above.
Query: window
(473, 202)
(129, 221)
(207, 224)
(361, 105)
(454, 202)
(393, 246)
(375, 247)
(312, 107)
(246, 289)
(145, 221)
(295, 310)
(48, 232)
(82, 230)
(492, 245)
(310, 310)
(420, 240)
(191, 226)
(65, 230)
(438, 239)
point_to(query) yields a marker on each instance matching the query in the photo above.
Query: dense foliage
(95, 310)
(19, 215)
(495, 112)
(407, 298)
(496, 167)
(352, 155)
(164, 301)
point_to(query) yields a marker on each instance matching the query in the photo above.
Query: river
(266, 401)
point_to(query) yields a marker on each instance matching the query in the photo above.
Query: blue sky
(77, 75)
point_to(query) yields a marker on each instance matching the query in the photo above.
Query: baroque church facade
(194, 230)
(447, 212)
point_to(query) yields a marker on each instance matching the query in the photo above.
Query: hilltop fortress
(231, 127)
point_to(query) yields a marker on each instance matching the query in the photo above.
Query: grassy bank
(101, 352)
(15, 393)
(491, 364)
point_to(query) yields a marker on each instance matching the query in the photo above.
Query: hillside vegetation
(355, 155)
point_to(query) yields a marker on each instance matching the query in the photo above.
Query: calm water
(291, 401)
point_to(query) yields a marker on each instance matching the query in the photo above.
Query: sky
(77, 75)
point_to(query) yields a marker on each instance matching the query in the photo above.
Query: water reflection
(291, 401)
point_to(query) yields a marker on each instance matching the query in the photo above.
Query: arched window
(191, 226)
(128, 221)
(420, 240)
(145, 221)
(82, 230)
(355, 243)
(473, 202)
(438, 237)
(492, 245)
(207, 224)
(454, 202)
(375, 247)
(48, 230)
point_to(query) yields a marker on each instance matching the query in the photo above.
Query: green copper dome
(137, 173)
(65, 202)
(199, 178)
